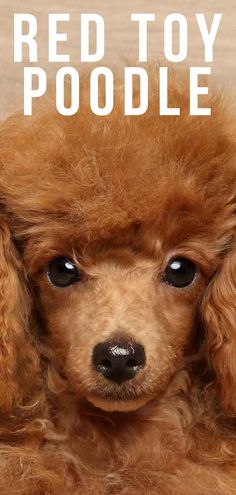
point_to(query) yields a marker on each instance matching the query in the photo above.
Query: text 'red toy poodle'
(118, 301)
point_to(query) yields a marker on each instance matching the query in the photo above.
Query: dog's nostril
(118, 362)
(131, 363)
(106, 363)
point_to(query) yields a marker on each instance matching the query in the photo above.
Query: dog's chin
(116, 405)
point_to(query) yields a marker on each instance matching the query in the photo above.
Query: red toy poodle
(118, 301)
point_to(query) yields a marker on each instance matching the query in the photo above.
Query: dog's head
(126, 227)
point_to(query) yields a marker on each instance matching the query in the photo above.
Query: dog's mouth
(117, 405)
(120, 403)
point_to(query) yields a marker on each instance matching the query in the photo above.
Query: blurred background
(121, 37)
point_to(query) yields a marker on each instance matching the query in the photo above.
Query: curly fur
(120, 195)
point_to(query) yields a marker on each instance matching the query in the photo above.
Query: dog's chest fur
(157, 450)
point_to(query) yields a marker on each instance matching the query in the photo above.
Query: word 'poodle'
(118, 302)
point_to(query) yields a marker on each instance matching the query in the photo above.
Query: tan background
(121, 36)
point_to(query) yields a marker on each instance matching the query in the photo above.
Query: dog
(118, 301)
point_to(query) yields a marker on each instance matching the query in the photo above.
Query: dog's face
(120, 319)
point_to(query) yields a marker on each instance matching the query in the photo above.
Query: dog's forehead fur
(94, 176)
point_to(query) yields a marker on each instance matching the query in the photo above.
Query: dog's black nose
(118, 362)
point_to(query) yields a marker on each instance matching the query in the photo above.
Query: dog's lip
(120, 398)
(112, 399)
(119, 404)
(117, 395)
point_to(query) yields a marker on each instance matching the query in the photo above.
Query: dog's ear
(18, 358)
(219, 315)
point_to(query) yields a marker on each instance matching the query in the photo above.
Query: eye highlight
(62, 272)
(180, 272)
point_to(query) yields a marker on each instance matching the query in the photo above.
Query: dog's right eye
(62, 272)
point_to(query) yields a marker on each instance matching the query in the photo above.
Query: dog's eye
(180, 272)
(62, 272)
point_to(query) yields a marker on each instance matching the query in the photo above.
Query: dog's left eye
(62, 272)
(180, 272)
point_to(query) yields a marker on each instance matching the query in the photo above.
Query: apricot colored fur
(120, 196)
